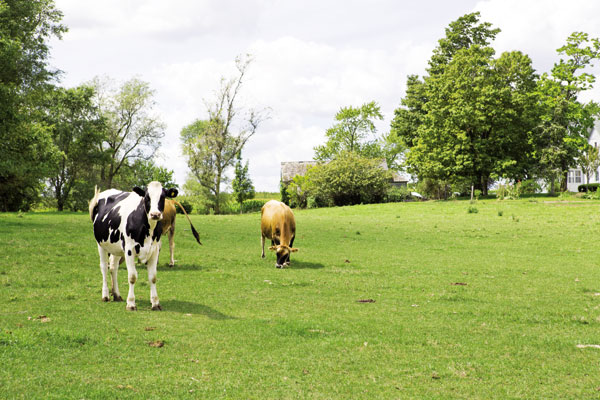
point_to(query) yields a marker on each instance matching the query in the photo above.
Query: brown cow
(168, 224)
(278, 224)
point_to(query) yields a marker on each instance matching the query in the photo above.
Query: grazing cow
(278, 224)
(128, 224)
(168, 224)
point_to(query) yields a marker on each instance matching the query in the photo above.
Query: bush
(434, 188)
(285, 198)
(349, 179)
(186, 204)
(509, 191)
(297, 192)
(530, 186)
(588, 187)
(398, 194)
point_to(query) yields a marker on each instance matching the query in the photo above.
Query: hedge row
(588, 187)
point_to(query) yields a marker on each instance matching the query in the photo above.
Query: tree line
(474, 118)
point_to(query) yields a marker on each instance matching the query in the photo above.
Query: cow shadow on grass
(180, 267)
(295, 264)
(187, 307)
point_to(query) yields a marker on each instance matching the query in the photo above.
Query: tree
(349, 133)
(28, 151)
(133, 131)
(562, 135)
(589, 161)
(141, 172)
(211, 145)
(472, 117)
(242, 184)
(76, 128)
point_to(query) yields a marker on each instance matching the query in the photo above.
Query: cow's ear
(139, 191)
(293, 249)
(273, 248)
(172, 192)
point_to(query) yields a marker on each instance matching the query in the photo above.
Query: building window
(570, 177)
(577, 176)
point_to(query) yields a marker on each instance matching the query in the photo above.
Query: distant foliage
(186, 204)
(588, 187)
(349, 179)
(530, 186)
(396, 195)
(509, 191)
(298, 191)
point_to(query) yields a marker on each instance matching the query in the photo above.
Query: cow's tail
(94, 202)
(194, 231)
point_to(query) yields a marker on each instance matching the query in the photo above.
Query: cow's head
(283, 254)
(154, 199)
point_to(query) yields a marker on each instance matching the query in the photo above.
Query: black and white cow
(128, 224)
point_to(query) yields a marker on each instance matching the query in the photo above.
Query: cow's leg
(132, 278)
(262, 243)
(152, 280)
(104, 269)
(114, 269)
(287, 262)
(172, 243)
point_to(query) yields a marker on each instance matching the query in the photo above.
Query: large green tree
(211, 145)
(472, 116)
(566, 121)
(28, 150)
(76, 128)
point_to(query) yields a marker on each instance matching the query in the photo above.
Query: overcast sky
(311, 57)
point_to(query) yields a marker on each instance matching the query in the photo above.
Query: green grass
(466, 305)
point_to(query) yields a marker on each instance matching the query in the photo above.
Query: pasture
(405, 300)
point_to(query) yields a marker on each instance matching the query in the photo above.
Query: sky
(311, 58)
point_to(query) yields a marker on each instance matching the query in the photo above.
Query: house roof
(289, 169)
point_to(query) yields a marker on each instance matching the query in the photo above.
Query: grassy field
(407, 300)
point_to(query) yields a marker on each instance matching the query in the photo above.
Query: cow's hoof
(171, 265)
(262, 256)
(131, 308)
(117, 298)
(278, 266)
(157, 308)
(105, 298)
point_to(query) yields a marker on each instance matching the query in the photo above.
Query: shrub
(434, 188)
(509, 191)
(349, 179)
(472, 210)
(398, 194)
(588, 187)
(252, 205)
(297, 192)
(285, 198)
(186, 204)
(530, 186)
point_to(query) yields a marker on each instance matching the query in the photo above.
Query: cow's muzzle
(157, 216)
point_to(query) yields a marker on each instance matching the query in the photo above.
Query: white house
(576, 176)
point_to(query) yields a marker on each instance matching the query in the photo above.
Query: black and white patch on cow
(128, 225)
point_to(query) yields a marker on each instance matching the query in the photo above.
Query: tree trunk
(563, 184)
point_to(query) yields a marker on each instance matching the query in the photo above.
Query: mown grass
(461, 305)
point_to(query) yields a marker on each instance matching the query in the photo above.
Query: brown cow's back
(278, 222)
